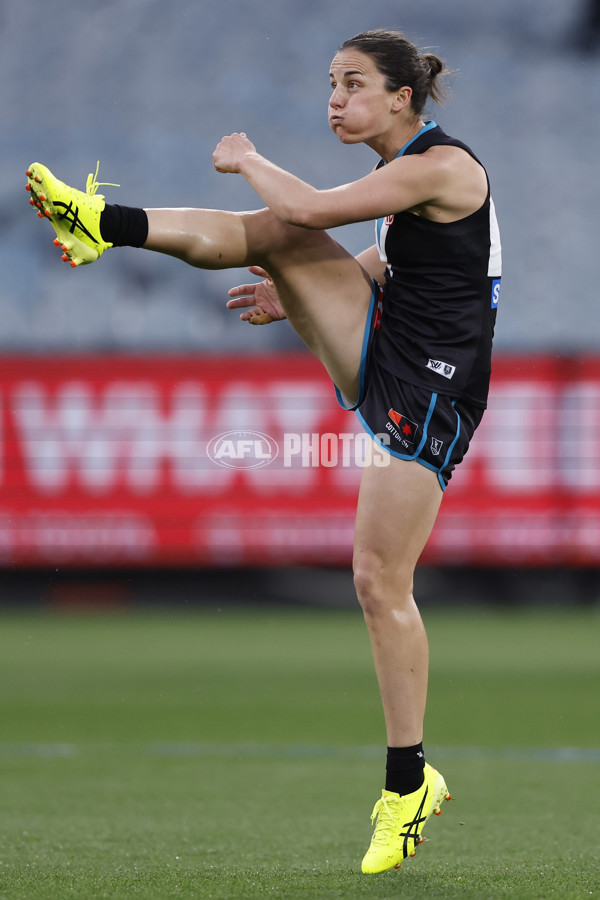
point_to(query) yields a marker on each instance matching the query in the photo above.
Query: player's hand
(261, 296)
(230, 151)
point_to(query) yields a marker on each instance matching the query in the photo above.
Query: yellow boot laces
(92, 184)
(385, 821)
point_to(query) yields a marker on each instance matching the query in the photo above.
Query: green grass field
(226, 754)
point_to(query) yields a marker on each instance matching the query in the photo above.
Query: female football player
(404, 330)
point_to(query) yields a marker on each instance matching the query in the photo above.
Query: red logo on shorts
(406, 428)
(378, 311)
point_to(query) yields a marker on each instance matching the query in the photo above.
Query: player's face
(360, 107)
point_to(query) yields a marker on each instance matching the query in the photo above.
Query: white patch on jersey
(381, 230)
(495, 261)
(441, 367)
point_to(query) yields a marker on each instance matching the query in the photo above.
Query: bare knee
(381, 588)
(201, 250)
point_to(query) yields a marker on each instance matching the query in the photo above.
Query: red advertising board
(249, 461)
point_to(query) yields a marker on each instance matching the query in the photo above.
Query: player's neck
(388, 146)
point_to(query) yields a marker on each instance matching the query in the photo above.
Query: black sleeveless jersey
(441, 292)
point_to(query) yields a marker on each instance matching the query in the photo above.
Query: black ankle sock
(124, 226)
(404, 769)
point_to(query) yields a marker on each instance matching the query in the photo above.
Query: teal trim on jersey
(426, 127)
(363, 355)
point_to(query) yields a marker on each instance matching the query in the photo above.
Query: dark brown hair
(402, 64)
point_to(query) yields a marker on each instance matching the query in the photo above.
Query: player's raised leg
(324, 291)
(397, 508)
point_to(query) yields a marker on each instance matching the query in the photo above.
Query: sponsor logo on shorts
(436, 446)
(405, 431)
(378, 312)
(441, 367)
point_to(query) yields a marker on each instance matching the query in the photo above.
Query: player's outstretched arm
(404, 183)
(261, 297)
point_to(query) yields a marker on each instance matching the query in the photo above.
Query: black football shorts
(406, 420)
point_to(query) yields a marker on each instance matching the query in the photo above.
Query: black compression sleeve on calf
(124, 226)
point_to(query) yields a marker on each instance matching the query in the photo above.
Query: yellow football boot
(74, 215)
(400, 821)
